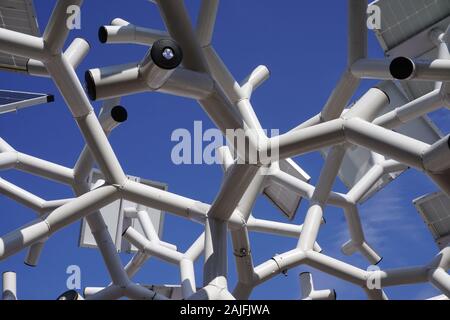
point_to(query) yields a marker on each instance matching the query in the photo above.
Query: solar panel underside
(435, 210)
(17, 15)
(16, 100)
(403, 19)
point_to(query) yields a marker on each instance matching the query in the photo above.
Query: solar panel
(17, 15)
(405, 27)
(283, 198)
(402, 20)
(115, 218)
(14, 100)
(435, 211)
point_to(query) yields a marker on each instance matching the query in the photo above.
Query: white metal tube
(215, 268)
(385, 142)
(44, 168)
(135, 264)
(130, 34)
(336, 268)
(402, 68)
(310, 139)
(178, 24)
(410, 111)
(57, 29)
(196, 249)
(314, 216)
(101, 149)
(278, 264)
(441, 280)
(75, 53)
(206, 21)
(364, 184)
(243, 255)
(340, 96)
(21, 44)
(166, 201)
(187, 274)
(21, 196)
(156, 250)
(9, 291)
(308, 292)
(357, 30)
(34, 253)
(46, 225)
(5, 147)
(147, 226)
(274, 227)
(369, 105)
(256, 78)
(109, 293)
(234, 186)
(437, 158)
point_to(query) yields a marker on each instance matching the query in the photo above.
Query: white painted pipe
(34, 253)
(158, 251)
(441, 280)
(164, 200)
(357, 30)
(369, 105)
(130, 34)
(57, 29)
(437, 158)
(187, 274)
(9, 291)
(206, 21)
(75, 53)
(44, 168)
(234, 186)
(308, 292)
(215, 268)
(340, 97)
(177, 21)
(44, 226)
(410, 111)
(20, 44)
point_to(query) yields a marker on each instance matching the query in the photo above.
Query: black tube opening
(401, 68)
(68, 295)
(119, 114)
(166, 54)
(90, 85)
(102, 34)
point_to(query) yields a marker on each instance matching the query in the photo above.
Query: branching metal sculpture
(182, 61)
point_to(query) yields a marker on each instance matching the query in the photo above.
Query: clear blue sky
(303, 43)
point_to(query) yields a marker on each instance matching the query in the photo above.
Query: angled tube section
(57, 29)
(206, 21)
(235, 185)
(20, 44)
(180, 28)
(314, 216)
(436, 158)
(156, 250)
(9, 291)
(410, 111)
(44, 169)
(165, 201)
(70, 87)
(42, 227)
(130, 33)
(215, 268)
(308, 291)
(402, 68)
(441, 280)
(75, 53)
